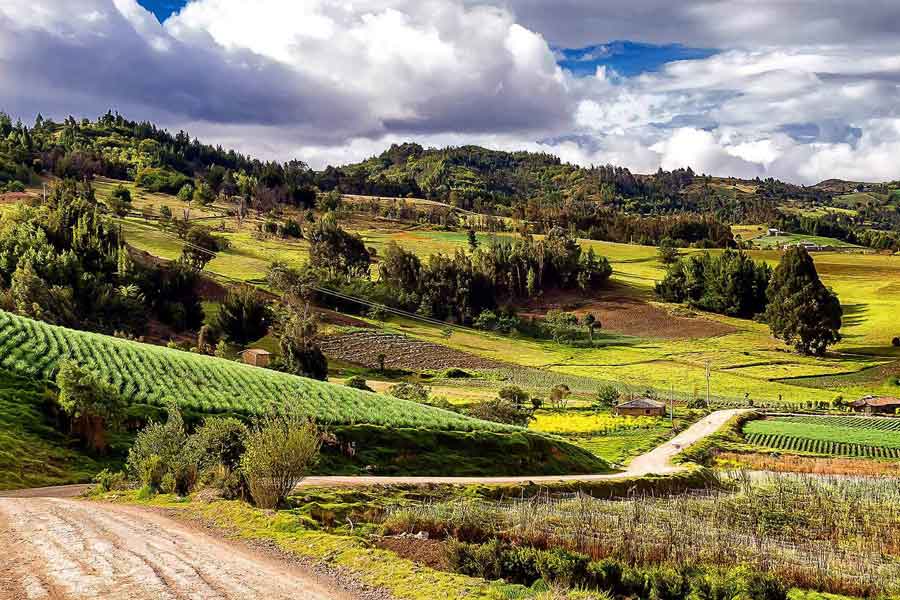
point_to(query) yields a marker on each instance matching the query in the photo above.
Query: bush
(501, 411)
(607, 396)
(454, 373)
(164, 449)
(410, 391)
(108, 481)
(895, 342)
(280, 449)
(220, 441)
(358, 383)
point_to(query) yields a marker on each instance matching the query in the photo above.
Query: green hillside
(149, 375)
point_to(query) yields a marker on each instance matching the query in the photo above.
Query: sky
(801, 90)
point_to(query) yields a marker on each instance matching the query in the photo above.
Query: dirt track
(658, 461)
(58, 548)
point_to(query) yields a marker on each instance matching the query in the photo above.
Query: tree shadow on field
(854, 314)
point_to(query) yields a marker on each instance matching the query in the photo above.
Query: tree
(514, 395)
(337, 252)
(591, 323)
(200, 247)
(667, 251)
(297, 330)
(559, 395)
(330, 201)
(244, 316)
(119, 201)
(802, 311)
(607, 396)
(560, 324)
(92, 404)
(472, 239)
(203, 194)
(186, 193)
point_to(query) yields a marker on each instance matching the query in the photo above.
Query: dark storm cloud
(720, 23)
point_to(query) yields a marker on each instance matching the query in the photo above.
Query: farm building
(876, 404)
(256, 357)
(641, 407)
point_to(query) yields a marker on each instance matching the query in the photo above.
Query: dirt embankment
(630, 315)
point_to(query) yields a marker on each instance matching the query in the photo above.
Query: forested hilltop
(600, 202)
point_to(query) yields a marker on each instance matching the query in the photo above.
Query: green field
(776, 241)
(150, 375)
(870, 437)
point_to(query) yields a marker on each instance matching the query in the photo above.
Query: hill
(398, 435)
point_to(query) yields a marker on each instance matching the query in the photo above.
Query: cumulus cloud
(793, 93)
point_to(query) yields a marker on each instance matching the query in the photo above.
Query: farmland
(150, 375)
(869, 437)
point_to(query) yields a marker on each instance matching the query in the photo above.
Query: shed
(256, 357)
(876, 404)
(641, 407)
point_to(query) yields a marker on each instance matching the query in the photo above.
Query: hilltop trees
(802, 311)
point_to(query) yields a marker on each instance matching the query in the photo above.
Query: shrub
(220, 441)
(410, 391)
(280, 449)
(164, 449)
(108, 481)
(358, 383)
(500, 411)
(895, 342)
(607, 396)
(454, 373)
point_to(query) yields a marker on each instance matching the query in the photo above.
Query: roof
(641, 403)
(876, 401)
(256, 352)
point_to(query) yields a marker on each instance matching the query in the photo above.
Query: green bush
(108, 481)
(280, 450)
(358, 383)
(161, 449)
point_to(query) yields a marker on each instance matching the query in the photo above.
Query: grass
(32, 452)
(838, 436)
(775, 241)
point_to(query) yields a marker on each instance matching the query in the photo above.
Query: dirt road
(58, 548)
(657, 461)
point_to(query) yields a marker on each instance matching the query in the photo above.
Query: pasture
(869, 437)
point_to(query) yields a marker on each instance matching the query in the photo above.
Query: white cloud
(331, 82)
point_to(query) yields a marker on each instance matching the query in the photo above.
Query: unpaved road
(658, 461)
(57, 548)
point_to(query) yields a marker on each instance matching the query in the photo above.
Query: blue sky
(802, 91)
(626, 58)
(162, 8)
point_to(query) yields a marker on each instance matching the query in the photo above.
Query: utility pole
(707, 383)
(672, 404)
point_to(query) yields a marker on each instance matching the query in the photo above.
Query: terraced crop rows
(877, 423)
(146, 374)
(798, 444)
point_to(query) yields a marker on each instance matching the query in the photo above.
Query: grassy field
(869, 437)
(33, 452)
(747, 363)
(775, 241)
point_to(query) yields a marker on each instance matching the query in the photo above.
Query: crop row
(800, 444)
(876, 423)
(146, 374)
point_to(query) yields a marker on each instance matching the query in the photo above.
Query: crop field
(149, 375)
(869, 437)
(774, 241)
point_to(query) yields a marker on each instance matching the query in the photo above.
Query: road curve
(59, 548)
(657, 461)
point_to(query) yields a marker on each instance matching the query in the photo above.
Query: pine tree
(801, 310)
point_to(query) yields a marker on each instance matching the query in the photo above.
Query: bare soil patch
(620, 312)
(401, 352)
(431, 553)
(787, 463)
